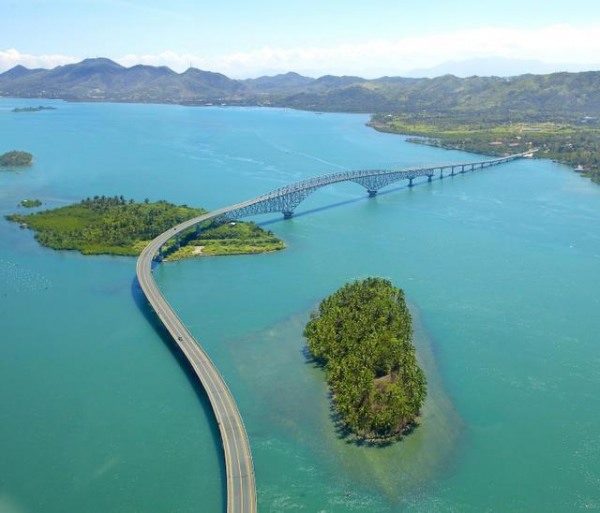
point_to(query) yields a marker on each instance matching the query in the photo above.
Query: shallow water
(501, 267)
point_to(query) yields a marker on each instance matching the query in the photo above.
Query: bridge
(241, 485)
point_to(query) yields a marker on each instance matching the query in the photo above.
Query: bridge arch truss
(286, 199)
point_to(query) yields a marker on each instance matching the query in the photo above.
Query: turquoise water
(501, 269)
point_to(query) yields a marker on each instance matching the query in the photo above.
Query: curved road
(241, 486)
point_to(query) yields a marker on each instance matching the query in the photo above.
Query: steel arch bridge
(286, 199)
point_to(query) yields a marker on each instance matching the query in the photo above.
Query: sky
(249, 38)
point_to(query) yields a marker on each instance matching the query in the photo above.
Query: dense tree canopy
(31, 203)
(16, 159)
(116, 226)
(362, 334)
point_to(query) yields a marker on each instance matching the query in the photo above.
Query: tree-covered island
(16, 158)
(39, 108)
(30, 203)
(362, 336)
(116, 226)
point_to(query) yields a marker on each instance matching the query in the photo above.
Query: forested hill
(557, 95)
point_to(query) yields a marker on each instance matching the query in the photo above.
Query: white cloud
(11, 57)
(562, 44)
(174, 60)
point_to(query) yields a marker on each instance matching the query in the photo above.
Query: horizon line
(290, 72)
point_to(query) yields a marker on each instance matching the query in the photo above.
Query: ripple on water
(18, 278)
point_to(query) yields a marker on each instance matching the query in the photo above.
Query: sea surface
(501, 268)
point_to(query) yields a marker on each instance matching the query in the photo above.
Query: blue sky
(251, 37)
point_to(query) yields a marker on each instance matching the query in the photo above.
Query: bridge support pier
(429, 177)
(410, 182)
(441, 174)
(462, 169)
(288, 214)
(372, 194)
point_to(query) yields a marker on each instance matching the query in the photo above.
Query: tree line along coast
(116, 226)
(576, 144)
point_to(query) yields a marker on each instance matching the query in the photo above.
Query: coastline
(419, 137)
(218, 103)
(192, 251)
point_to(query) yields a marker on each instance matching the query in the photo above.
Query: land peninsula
(362, 336)
(116, 226)
(576, 144)
(16, 158)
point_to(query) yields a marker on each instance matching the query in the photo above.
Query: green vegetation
(16, 159)
(558, 113)
(32, 109)
(233, 238)
(574, 144)
(362, 335)
(115, 226)
(567, 96)
(30, 203)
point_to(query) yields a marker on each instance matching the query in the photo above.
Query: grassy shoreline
(575, 145)
(233, 238)
(115, 226)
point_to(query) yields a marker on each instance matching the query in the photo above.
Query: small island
(30, 203)
(116, 226)
(16, 158)
(33, 109)
(362, 336)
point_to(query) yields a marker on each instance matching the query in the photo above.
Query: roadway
(241, 487)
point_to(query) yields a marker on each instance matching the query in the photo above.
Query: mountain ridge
(563, 94)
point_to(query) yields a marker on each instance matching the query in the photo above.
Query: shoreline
(437, 142)
(201, 254)
(217, 103)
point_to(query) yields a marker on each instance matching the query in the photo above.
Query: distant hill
(103, 79)
(277, 84)
(491, 67)
(556, 95)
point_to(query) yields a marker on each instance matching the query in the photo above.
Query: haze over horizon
(267, 38)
